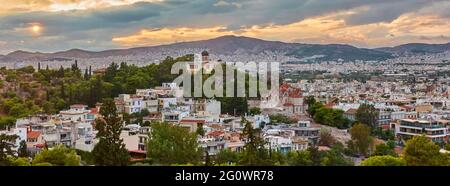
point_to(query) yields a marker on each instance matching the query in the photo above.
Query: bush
(383, 161)
(59, 156)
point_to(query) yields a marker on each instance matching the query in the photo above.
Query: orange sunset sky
(51, 25)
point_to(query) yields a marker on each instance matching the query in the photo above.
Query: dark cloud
(387, 12)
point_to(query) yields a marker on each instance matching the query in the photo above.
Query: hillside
(234, 46)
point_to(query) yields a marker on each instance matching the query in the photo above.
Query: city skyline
(56, 25)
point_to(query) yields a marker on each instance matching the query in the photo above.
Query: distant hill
(336, 51)
(233, 45)
(416, 48)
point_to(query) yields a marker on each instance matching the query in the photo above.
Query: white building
(75, 113)
(407, 128)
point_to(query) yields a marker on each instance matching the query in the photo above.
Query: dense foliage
(326, 116)
(385, 160)
(58, 156)
(421, 151)
(280, 118)
(367, 114)
(170, 144)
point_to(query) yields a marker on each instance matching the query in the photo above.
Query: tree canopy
(58, 156)
(171, 144)
(383, 161)
(361, 140)
(421, 151)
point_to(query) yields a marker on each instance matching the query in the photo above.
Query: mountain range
(234, 45)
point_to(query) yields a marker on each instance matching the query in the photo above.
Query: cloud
(228, 4)
(431, 38)
(76, 23)
(9, 6)
(326, 29)
(169, 35)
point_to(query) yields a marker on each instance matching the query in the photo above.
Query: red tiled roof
(136, 97)
(216, 133)
(329, 105)
(33, 134)
(296, 93)
(284, 88)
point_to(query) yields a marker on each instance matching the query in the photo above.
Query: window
(141, 147)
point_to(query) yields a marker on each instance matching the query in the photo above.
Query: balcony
(422, 125)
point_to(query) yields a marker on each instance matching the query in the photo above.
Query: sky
(55, 25)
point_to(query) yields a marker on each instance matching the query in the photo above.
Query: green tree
(86, 157)
(226, 157)
(325, 138)
(280, 118)
(7, 121)
(110, 150)
(384, 149)
(385, 160)
(58, 156)
(447, 146)
(367, 114)
(200, 131)
(315, 155)
(361, 139)
(254, 152)
(27, 69)
(21, 162)
(255, 111)
(6, 148)
(302, 158)
(23, 151)
(314, 107)
(170, 144)
(310, 101)
(86, 74)
(335, 157)
(45, 164)
(421, 151)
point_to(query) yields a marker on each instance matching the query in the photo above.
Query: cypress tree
(86, 75)
(110, 150)
(61, 71)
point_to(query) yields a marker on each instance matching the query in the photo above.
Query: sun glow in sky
(129, 23)
(36, 28)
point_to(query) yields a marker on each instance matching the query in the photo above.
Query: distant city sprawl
(369, 113)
